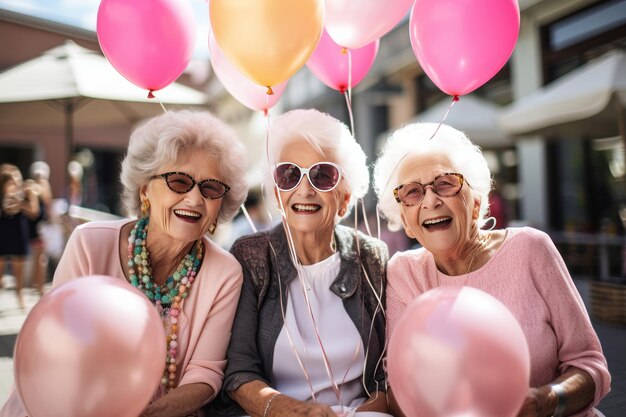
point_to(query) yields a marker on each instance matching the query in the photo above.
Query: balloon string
(300, 272)
(350, 77)
(150, 95)
(350, 115)
(377, 222)
(287, 332)
(445, 116)
(377, 295)
(347, 93)
(365, 219)
(248, 218)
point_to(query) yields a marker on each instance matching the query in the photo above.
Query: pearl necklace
(173, 291)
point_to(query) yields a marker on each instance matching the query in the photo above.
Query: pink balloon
(462, 44)
(356, 23)
(248, 93)
(329, 63)
(457, 351)
(93, 347)
(150, 42)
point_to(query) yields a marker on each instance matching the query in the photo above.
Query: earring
(145, 207)
(342, 212)
(213, 227)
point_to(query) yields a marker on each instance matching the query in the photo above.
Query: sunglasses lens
(324, 176)
(287, 176)
(411, 194)
(212, 189)
(179, 183)
(447, 185)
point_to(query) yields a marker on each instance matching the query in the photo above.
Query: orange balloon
(267, 40)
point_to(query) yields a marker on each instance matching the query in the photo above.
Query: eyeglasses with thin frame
(444, 185)
(323, 176)
(182, 183)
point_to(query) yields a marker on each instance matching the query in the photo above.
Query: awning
(477, 118)
(586, 102)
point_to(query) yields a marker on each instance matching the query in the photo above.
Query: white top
(339, 336)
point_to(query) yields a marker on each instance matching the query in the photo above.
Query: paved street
(613, 342)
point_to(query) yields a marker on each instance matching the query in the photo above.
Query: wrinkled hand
(535, 403)
(289, 407)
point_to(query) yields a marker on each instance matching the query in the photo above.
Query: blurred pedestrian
(17, 206)
(39, 185)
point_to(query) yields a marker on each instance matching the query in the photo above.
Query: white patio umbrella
(587, 102)
(476, 117)
(74, 90)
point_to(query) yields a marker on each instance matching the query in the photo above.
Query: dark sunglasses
(323, 176)
(444, 185)
(182, 183)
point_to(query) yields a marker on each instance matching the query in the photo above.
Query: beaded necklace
(167, 297)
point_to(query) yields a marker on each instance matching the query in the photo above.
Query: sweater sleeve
(396, 274)
(577, 343)
(208, 362)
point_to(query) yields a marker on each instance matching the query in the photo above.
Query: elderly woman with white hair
(437, 189)
(309, 331)
(183, 175)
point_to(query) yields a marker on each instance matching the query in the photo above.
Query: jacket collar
(348, 278)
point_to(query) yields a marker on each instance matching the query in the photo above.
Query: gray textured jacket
(259, 319)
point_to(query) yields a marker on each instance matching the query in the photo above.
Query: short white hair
(415, 140)
(325, 134)
(159, 141)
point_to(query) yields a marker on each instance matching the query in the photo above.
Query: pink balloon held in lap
(458, 351)
(92, 347)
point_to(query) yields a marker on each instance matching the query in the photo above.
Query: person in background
(40, 186)
(308, 337)
(437, 189)
(258, 215)
(183, 175)
(17, 206)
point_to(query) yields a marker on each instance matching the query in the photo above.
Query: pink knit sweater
(529, 276)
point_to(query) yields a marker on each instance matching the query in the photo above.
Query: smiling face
(441, 224)
(306, 209)
(183, 217)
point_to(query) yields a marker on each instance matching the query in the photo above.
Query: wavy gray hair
(327, 135)
(159, 141)
(414, 140)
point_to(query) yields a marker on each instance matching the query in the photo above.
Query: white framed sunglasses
(323, 176)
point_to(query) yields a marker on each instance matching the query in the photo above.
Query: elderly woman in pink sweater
(437, 189)
(183, 174)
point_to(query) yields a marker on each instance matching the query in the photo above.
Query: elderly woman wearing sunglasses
(437, 190)
(309, 330)
(183, 174)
